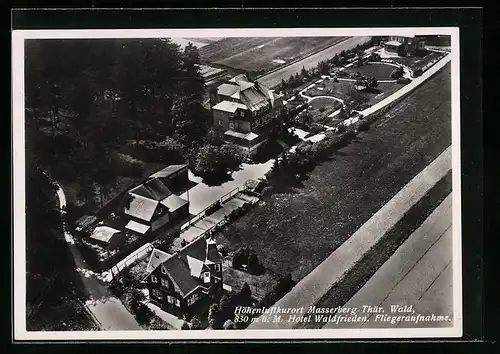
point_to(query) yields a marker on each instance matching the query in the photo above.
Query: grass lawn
(259, 53)
(325, 103)
(298, 227)
(259, 284)
(418, 61)
(380, 71)
(342, 89)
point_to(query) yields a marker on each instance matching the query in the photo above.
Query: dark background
(470, 23)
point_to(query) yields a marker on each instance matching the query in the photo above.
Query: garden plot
(380, 71)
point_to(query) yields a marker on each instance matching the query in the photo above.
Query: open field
(263, 54)
(298, 228)
(380, 71)
(274, 78)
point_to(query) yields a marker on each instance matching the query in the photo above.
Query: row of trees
(87, 98)
(324, 67)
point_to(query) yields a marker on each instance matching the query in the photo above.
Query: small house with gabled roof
(178, 281)
(152, 204)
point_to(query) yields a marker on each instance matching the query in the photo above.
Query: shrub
(229, 324)
(397, 73)
(404, 81)
(196, 323)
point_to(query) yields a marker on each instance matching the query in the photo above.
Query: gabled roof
(140, 207)
(185, 267)
(227, 89)
(157, 257)
(137, 227)
(180, 274)
(212, 255)
(167, 171)
(228, 106)
(103, 233)
(196, 266)
(153, 188)
(393, 43)
(195, 249)
(173, 202)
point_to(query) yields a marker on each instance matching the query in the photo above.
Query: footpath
(332, 270)
(107, 311)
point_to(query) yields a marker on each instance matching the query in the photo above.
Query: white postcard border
(19, 281)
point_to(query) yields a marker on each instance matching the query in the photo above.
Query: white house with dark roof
(242, 109)
(178, 281)
(152, 204)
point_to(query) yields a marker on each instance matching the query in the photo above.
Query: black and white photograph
(237, 183)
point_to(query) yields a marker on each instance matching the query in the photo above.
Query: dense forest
(86, 100)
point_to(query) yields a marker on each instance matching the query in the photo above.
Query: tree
(216, 162)
(397, 73)
(304, 73)
(196, 323)
(253, 265)
(245, 294)
(185, 325)
(214, 316)
(240, 257)
(229, 325)
(323, 67)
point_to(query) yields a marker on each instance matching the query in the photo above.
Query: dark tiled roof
(153, 188)
(180, 273)
(157, 189)
(196, 249)
(212, 254)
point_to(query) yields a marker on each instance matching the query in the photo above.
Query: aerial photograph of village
(196, 183)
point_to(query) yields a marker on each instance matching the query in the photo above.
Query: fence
(202, 213)
(229, 195)
(130, 259)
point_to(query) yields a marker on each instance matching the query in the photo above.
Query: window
(217, 267)
(154, 279)
(177, 303)
(191, 300)
(206, 277)
(163, 270)
(157, 294)
(164, 283)
(221, 122)
(241, 113)
(170, 299)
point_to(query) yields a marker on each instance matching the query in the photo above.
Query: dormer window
(163, 269)
(206, 277)
(154, 279)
